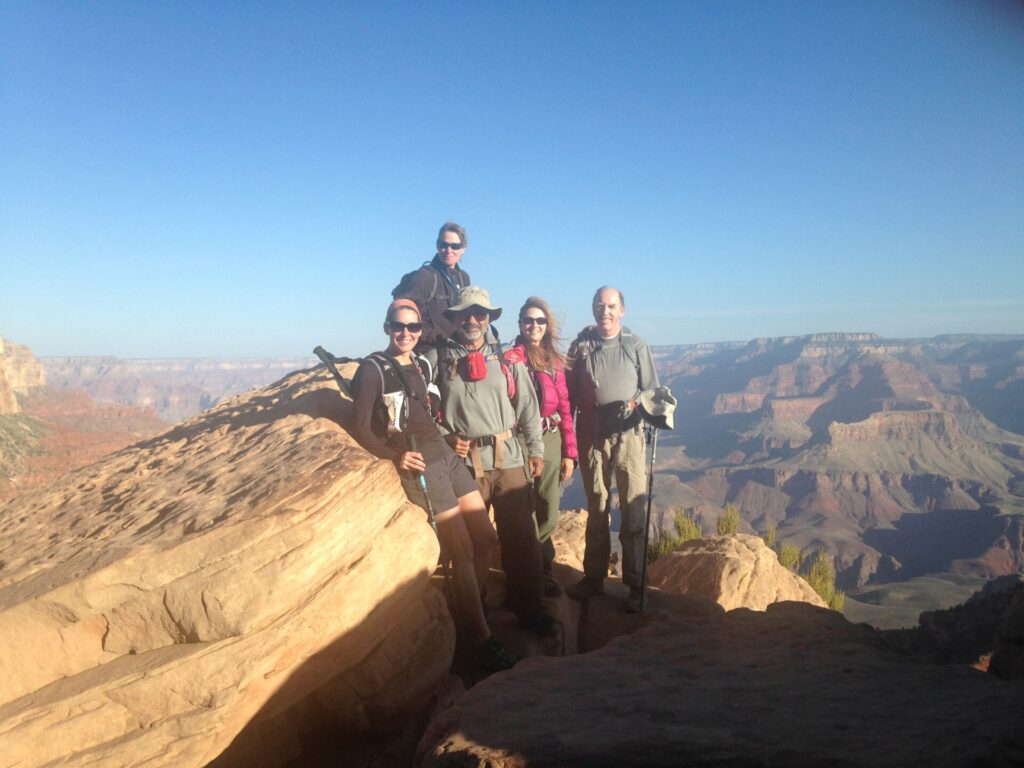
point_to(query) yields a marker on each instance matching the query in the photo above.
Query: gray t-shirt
(614, 375)
(606, 371)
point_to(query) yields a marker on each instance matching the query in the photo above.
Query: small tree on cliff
(769, 537)
(790, 557)
(822, 578)
(730, 521)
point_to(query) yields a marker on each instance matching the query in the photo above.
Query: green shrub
(790, 557)
(838, 601)
(686, 528)
(822, 578)
(730, 521)
(769, 537)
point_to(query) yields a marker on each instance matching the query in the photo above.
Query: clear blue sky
(243, 178)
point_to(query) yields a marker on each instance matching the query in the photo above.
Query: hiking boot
(551, 587)
(634, 603)
(541, 622)
(586, 587)
(492, 656)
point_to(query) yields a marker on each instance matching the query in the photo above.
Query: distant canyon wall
(898, 457)
(175, 388)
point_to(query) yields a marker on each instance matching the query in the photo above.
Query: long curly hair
(549, 355)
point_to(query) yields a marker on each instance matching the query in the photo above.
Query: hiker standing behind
(390, 403)
(537, 348)
(483, 397)
(435, 286)
(610, 367)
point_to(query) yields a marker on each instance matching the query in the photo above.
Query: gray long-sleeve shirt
(476, 409)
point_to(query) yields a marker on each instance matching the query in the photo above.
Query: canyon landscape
(901, 459)
(173, 388)
(251, 588)
(46, 432)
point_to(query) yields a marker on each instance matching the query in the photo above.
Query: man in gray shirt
(483, 399)
(611, 366)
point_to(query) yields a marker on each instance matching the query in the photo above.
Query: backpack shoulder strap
(425, 368)
(429, 265)
(513, 355)
(581, 346)
(380, 362)
(629, 342)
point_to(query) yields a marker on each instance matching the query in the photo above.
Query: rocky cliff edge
(184, 595)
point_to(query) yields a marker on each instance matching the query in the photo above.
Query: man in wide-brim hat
(483, 398)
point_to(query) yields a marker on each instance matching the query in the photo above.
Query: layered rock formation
(884, 453)
(248, 575)
(19, 373)
(175, 388)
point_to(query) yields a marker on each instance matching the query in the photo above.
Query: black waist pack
(615, 417)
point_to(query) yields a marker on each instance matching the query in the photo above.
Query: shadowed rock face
(197, 588)
(793, 686)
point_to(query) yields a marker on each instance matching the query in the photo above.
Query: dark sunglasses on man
(450, 247)
(477, 313)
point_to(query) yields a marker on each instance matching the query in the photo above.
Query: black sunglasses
(533, 320)
(450, 246)
(477, 313)
(395, 327)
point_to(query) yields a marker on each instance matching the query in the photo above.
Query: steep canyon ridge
(904, 459)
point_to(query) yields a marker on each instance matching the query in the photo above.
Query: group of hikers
(473, 424)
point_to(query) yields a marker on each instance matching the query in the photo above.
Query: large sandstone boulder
(202, 587)
(793, 686)
(736, 571)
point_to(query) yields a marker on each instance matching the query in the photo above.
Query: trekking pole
(652, 440)
(329, 360)
(421, 480)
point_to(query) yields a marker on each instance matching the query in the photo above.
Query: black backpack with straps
(392, 412)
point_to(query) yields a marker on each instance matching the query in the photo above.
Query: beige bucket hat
(658, 407)
(473, 296)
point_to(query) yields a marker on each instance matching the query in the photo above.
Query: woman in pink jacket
(537, 347)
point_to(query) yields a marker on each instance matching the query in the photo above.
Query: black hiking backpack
(392, 412)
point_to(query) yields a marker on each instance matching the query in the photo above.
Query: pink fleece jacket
(553, 395)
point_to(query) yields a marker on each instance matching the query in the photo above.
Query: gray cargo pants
(619, 457)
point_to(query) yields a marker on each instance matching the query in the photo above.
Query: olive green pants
(547, 494)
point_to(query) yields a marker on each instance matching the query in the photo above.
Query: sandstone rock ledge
(736, 571)
(215, 588)
(795, 685)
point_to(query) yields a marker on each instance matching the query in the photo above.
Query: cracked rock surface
(158, 603)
